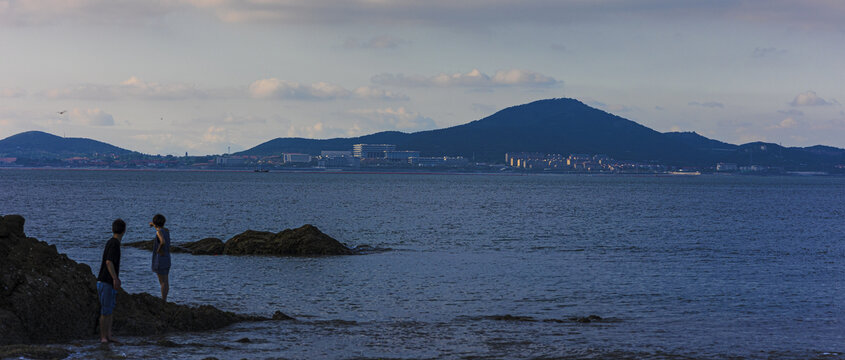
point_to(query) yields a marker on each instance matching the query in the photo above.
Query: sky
(206, 76)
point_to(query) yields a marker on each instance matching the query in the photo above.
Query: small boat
(261, 170)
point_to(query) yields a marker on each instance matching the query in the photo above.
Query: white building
(371, 151)
(401, 155)
(295, 158)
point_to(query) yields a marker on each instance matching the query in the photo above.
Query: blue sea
(676, 267)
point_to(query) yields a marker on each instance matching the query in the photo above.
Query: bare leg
(165, 286)
(104, 335)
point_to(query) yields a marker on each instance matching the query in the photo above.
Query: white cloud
(91, 117)
(132, 88)
(787, 123)
(473, 79)
(367, 92)
(274, 88)
(809, 98)
(12, 92)
(281, 89)
(392, 119)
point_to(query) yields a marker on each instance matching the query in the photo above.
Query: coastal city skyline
(201, 77)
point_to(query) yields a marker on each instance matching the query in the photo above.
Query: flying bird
(62, 112)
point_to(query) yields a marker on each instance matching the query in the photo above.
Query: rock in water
(44, 296)
(207, 246)
(47, 297)
(302, 241)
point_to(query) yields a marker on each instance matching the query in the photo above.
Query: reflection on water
(701, 267)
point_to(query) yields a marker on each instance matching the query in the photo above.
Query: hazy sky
(197, 76)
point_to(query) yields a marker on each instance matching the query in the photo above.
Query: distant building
(230, 161)
(443, 161)
(335, 153)
(403, 156)
(295, 158)
(726, 167)
(371, 151)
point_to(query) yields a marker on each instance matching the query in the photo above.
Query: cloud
(133, 88)
(52, 12)
(367, 92)
(12, 92)
(393, 119)
(826, 14)
(91, 117)
(378, 42)
(809, 13)
(809, 98)
(767, 52)
(274, 88)
(708, 104)
(473, 79)
(787, 123)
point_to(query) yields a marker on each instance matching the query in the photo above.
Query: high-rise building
(371, 151)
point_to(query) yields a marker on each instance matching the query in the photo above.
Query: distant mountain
(38, 144)
(699, 142)
(561, 126)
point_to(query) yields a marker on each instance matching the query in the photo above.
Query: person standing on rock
(108, 281)
(161, 254)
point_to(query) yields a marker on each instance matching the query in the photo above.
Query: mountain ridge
(550, 126)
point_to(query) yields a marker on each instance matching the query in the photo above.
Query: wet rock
(510, 318)
(243, 340)
(145, 314)
(44, 296)
(167, 343)
(302, 241)
(33, 352)
(278, 315)
(586, 319)
(47, 297)
(207, 246)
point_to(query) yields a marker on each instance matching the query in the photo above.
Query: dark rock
(47, 297)
(510, 318)
(167, 343)
(33, 352)
(302, 241)
(586, 319)
(243, 340)
(44, 296)
(278, 315)
(207, 246)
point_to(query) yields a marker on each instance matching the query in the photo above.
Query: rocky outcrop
(47, 297)
(44, 296)
(207, 246)
(305, 240)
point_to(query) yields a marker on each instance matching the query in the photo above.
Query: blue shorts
(108, 297)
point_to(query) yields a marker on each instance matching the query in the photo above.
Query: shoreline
(799, 174)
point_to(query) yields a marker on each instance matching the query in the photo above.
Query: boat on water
(261, 170)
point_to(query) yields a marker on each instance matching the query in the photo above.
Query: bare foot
(104, 341)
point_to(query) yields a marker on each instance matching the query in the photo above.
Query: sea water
(676, 267)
